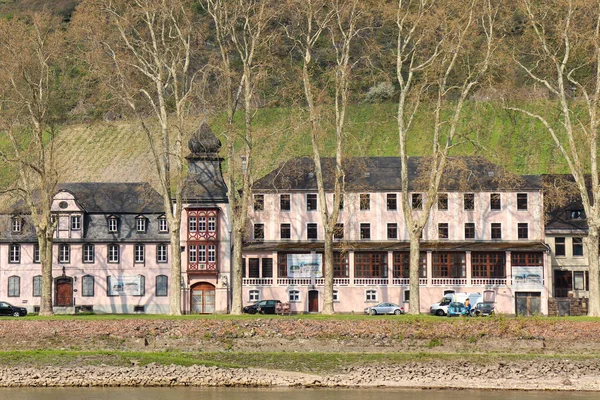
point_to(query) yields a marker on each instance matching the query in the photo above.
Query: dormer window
(75, 222)
(162, 225)
(576, 214)
(113, 225)
(17, 225)
(140, 224)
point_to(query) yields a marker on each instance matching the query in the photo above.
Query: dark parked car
(9, 309)
(483, 310)
(262, 307)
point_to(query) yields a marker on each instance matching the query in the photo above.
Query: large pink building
(485, 234)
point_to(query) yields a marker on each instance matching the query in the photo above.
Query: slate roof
(383, 174)
(560, 199)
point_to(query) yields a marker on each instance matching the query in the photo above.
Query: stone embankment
(544, 375)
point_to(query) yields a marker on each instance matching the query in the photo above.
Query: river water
(276, 394)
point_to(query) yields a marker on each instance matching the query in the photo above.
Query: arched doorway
(63, 291)
(203, 298)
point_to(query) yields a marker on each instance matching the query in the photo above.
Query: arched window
(162, 286)
(87, 286)
(14, 286)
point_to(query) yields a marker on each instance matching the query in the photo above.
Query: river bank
(500, 353)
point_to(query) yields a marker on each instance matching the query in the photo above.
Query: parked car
(9, 309)
(385, 308)
(262, 307)
(457, 309)
(483, 310)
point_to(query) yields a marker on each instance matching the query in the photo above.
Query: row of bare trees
(166, 62)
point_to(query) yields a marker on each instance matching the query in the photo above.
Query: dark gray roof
(383, 174)
(562, 202)
(204, 183)
(204, 141)
(116, 198)
(462, 245)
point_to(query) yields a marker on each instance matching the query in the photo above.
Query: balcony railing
(371, 281)
(488, 281)
(449, 281)
(257, 281)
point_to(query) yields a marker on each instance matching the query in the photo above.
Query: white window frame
(336, 296)
(192, 253)
(64, 253)
(36, 253)
(86, 291)
(113, 255)
(140, 224)
(89, 254)
(139, 253)
(14, 253)
(294, 296)
(14, 286)
(17, 225)
(113, 225)
(163, 227)
(212, 224)
(371, 296)
(253, 295)
(406, 295)
(192, 224)
(75, 222)
(162, 253)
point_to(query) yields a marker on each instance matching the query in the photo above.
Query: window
(75, 222)
(162, 225)
(469, 230)
(488, 265)
(576, 214)
(406, 296)
(14, 254)
(417, 201)
(365, 201)
(14, 286)
(113, 253)
(341, 268)
(522, 201)
(88, 253)
(259, 202)
(36, 253)
(527, 259)
(578, 280)
(365, 231)
(254, 268)
(294, 296)
(496, 230)
(392, 231)
(259, 231)
(449, 265)
(212, 224)
(37, 286)
(17, 225)
(139, 253)
(559, 247)
(577, 247)
(192, 254)
(267, 267)
(192, 224)
(253, 296)
(370, 265)
(311, 202)
(402, 264)
(443, 230)
(392, 202)
(162, 253)
(469, 201)
(113, 226)
(311, 231)
(285, 203)
(338, 231)
(64, 253)
(140, 224)
(371, 296)
(495, 201)
(87, 286)
(285, 231)
(442, 203)
(162, 286)
(336, 295)
(522, 231)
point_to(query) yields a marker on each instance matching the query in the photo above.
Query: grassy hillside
(63, 8)
(118, 151)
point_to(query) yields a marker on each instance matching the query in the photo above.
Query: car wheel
(373, 312)
(439, 313)
(252, 311)
(16, 314)
(397, 312)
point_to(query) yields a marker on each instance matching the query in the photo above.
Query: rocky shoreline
(539, 375)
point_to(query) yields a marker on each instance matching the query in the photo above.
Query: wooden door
(64, 292)
(313, 301)
(203, 298)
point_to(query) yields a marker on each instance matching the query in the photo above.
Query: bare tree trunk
(238, 265)
(328, 275)
(591, 245)
(175, 285)
(415, 260)
(46, 264)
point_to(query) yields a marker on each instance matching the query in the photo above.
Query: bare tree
(240, 28)
(563, 56)
(30, 74)
(443, 51)
(340, 21)
(143, 51)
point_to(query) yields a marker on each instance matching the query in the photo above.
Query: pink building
(486, 234)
